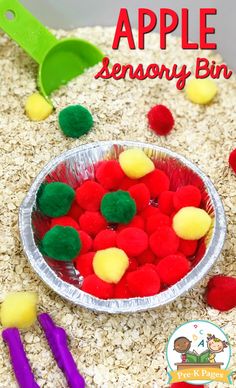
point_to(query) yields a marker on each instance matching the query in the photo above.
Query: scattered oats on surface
(124, 350)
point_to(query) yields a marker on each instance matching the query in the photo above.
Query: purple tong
(57, 340)
(20, 363)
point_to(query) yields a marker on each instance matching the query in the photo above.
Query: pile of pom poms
(127, 233)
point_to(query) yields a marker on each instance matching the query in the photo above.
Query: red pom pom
(97, 287)
(127, 183)
(187, 196)
(137, 222)
(92, 223)
(64, 221)
(105, 239)
(186, 385)
(109, 174)
(149, 211)
(146, 257)
(157, 182)
(154, 222)
(188, 247)
(221, 298)
(232, 160)
(165, 202)
(164, 241)
(89, 195)
(121, 289)
(133, 241)
(151, 265)
(133, 264)
(141, 195)
(221, 281)
(86, 242)
(172, 268)
(160, 120)
(143, 282)
(75, 211)
(221, 292)
(84, 263)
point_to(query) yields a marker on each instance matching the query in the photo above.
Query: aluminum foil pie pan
(74, 166)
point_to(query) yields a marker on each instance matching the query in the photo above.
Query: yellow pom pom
(191, 223)
(201, 91)
(37, 107)
(110, 264)
(19, 310)
(135, 163)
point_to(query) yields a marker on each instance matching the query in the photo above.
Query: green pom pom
(55, 199)
(118, 207)
(75, 121)
(40, 192)
(61, 243)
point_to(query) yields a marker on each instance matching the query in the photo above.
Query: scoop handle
(20, 363)
(25, 29)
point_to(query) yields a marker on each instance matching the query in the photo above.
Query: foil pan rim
(78, 297)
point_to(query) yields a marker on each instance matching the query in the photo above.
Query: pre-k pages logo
(198, 352)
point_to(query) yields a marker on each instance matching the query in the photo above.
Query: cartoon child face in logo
(182, 345)
(215, 345)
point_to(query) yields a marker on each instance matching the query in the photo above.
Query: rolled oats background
(122, 350)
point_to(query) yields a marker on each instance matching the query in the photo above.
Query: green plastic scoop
(59, 60)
